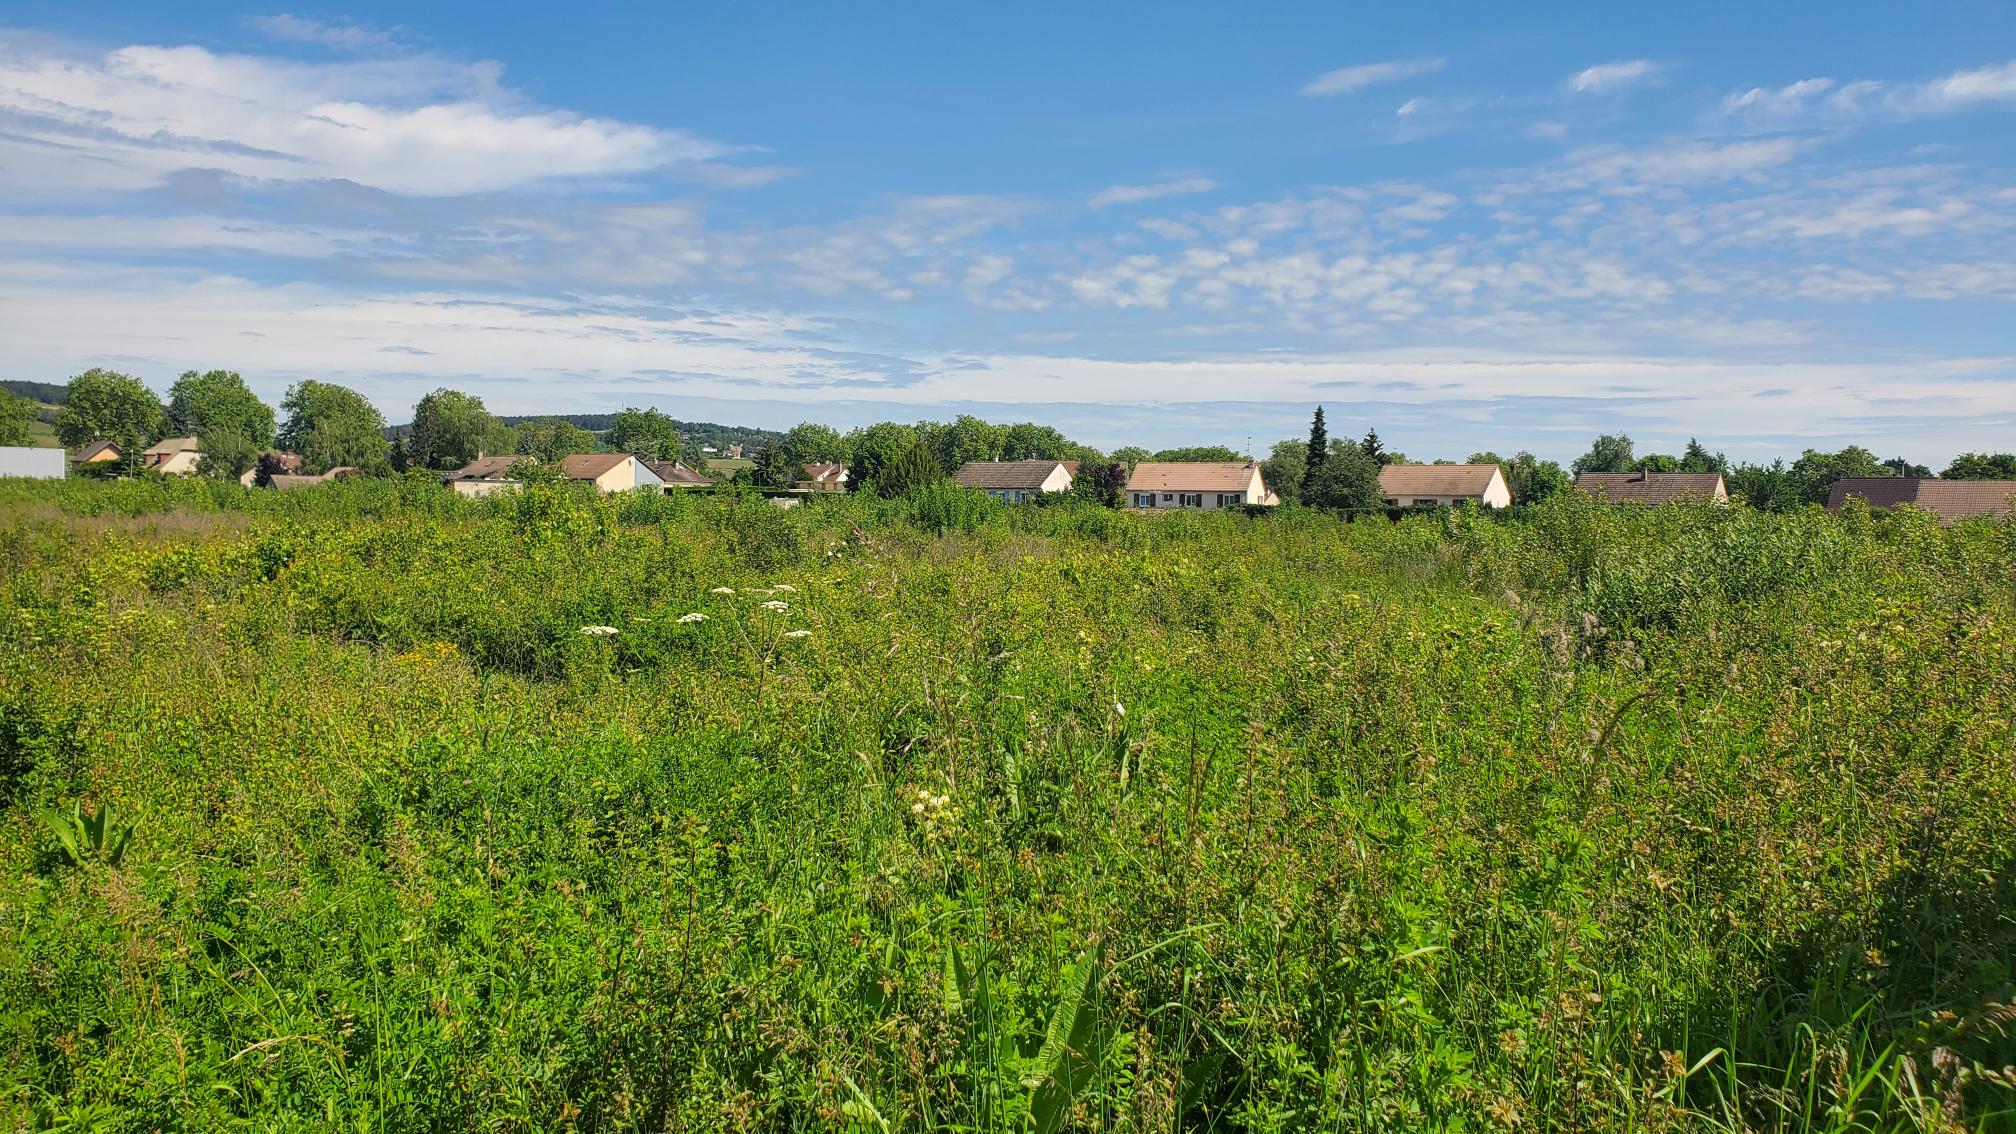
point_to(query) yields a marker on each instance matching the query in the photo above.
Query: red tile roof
(1006, 475)
(1949, 500)
(1653, 487)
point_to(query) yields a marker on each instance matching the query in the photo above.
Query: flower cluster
(935, 814)
(696, 616)
(598, 631)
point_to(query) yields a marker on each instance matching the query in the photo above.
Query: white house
(1412, 486)
(1016, 481)
(172, 456)
(610, 472)
(824, 478)
(1198, 484)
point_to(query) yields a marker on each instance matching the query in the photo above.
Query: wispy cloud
(1345, 80)
(299, 29)
(1606, 77)
(1821, 100)
(1135, 194)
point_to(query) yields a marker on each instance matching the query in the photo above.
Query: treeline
(332, 426)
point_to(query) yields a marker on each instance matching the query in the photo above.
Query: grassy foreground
(1589, 819)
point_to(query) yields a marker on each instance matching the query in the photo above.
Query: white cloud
(1134, 194)
(1683, 163)
(1345, 80)
(1822, 101)
(299, 29)
(1606, 77)
(411, 124)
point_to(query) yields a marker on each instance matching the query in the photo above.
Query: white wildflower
(785, 587)
(918, 808)
(722, 591)
(776, 606)
(798, 634)
(598, 631)
(1120, 708)
(696, 616)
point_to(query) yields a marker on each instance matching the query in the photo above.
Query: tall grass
(1586, 818)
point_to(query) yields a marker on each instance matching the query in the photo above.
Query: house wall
(626, 476)
(1254, 493)
(482, 487)
(179, 464)
(34, 461)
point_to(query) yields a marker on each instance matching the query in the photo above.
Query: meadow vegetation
(371, 808)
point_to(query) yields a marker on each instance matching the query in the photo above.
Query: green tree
(1314, 451)
(104, 405)
(1982, 466)
(1532, 479)
(1347, 479)
(875, 447)
(1284, 467)
(451, 428)
(1768, 488)
(1697, 459)
(1200, 453)
(967, 439)
(333, 426)
(645, 433)
(1374, 448)
(1100, 482)
(1657, 462)
(775, 469)
(1131, 455)
(17, 415)
(1028, 441)
(1610, 452)
(1902, 467)
(231, 425)
(1815, 472)
(809, 443)
(916, 469)
(550, 438)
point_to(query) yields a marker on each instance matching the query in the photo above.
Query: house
(734, 452)
(486, 475)
(289, 481)
(1949, 500)
(1197, 484)
(172, 456)
(610, 472)
(1015, 481)
(289, 465)
(97, 452)
(676, 475)
(824, 478)
(1654, 487)
(32, 461)
(1417, 486)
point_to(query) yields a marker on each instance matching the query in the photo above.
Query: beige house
(289, 481)
(1654, 487)
(97, 452)
(1208, 485)
(290, 465)
(1949, 500)
(172, 456)
(674, 474)
(1420, 486)
(824, 478)
(1015, 481)
(486, 475)
(610, 472)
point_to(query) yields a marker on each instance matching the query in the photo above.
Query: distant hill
(49, 392)
(702, 432)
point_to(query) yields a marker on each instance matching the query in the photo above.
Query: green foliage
(1314, 452)
(1347, 479)
(231, 425)
(17, 420)
(1815, 472)
(1697, 459)
(809, 443)
(451, 429)
(929, 814)
(775, 469)
(1609, 453)
(966, 438)
(1978, 466)
(1102, 483)
(1132, 455)
(1028, 441)
(1528, 478)
(1374, 448)
(1283, 468)
(333, 426)
(551, 438)
(646, 434)
(103, 405)
(874, 448)
(1199, 453)
(918, 468)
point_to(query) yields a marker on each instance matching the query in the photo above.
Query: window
(1193, 500)
(1167, 497)
(1231, 499)
(1429, 503)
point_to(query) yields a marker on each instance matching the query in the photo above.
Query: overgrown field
(1586, 819)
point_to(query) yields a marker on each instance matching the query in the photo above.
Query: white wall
(40, 463)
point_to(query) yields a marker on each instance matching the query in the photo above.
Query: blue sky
(1472, 226)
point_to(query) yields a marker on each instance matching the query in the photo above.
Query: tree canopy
(550, 438)
(231, 425)
(104, 405)
(1346, 479)
(17, 416)
(1610, 453)
(451, 428)
(809, 443)
(1982, 466)
(873, 448)
(333, 426)
(647, 434)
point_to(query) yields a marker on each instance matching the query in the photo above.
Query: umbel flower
(696, 616)
(798, 633)
(598, 631)
(722, 591)
(776, 606)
